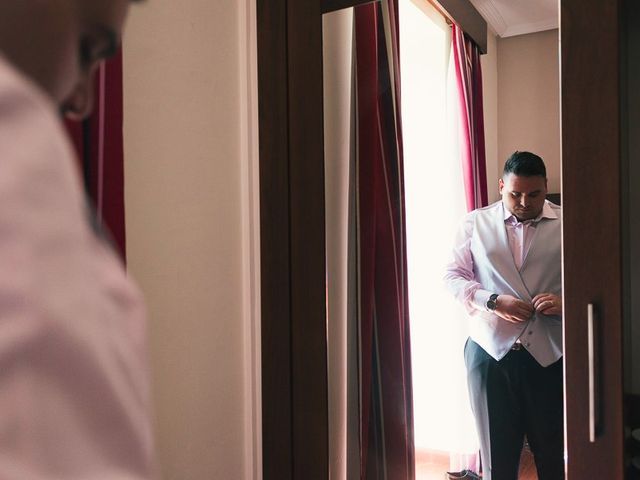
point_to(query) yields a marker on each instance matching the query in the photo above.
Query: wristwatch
(492, 303)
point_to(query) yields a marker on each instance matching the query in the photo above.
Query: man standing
(74, 385)
(506, 271)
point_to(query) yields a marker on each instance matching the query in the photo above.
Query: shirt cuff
(480, 298)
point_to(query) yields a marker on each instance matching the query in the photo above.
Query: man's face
(60, 43)
(523, 196)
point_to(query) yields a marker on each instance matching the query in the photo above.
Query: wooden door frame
(292, 245)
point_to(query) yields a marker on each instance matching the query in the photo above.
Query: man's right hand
(513, 309)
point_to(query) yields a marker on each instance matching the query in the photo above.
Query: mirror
(521, 112)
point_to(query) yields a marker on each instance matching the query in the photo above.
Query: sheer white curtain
(435, 203)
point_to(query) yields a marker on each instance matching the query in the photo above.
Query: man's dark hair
(525, 164)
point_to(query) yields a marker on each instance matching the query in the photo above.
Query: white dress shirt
(74, 381)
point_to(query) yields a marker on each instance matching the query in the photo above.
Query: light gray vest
(496, 271)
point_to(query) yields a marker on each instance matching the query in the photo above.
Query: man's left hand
(548, 304)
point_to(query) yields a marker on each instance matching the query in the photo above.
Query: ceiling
(508, 18)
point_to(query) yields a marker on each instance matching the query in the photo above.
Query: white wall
(529, 99)
(521, 94)
(489, 65)
(186, 207)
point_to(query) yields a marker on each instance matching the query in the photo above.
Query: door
(592, 159)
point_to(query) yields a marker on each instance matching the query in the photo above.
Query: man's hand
(513, 309)
(548, 304)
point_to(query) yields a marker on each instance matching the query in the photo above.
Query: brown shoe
(463, 475)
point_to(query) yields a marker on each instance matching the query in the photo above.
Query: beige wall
(184, 226)
(489, 64)
(529, 99)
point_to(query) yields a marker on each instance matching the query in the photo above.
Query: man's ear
(500, 185)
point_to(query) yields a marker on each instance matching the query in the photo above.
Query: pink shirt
(459, 275)
(520, 235)
(74, 380)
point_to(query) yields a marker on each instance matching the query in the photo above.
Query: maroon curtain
(466, 56)
(99, 143)
(386, 416)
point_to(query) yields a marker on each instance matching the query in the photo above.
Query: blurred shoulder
(23, 103)
(31, 131)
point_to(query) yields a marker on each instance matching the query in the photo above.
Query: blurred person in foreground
(74, 383)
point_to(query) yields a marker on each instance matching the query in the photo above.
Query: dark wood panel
(630, 49)
(308, 265)
(333, 5)
(294, 371)
(592, 230)
(277, 411)
(464, 14)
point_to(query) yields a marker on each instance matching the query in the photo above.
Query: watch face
(492, 303)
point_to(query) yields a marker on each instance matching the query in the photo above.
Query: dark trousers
(513, 398)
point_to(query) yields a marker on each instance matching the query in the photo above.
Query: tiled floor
(432, 465)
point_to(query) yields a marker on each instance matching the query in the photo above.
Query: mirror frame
(295, 417)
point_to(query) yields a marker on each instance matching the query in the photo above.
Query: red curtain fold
(99, 143)
(386, 416)
(466, 56)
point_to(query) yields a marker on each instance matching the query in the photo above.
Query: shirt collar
(547, 212)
